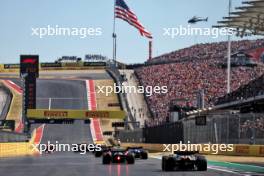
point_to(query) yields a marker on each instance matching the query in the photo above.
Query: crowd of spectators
(252, 89)
(197, 68)
(208, 50)
(252, 128)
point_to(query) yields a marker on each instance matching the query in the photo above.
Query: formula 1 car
(104, 150)
(117, 155)
(138, 152)
(184, 160)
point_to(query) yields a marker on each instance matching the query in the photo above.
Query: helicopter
(196, 19)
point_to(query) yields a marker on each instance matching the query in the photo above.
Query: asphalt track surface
(70, 164)
(64, 94)
(71, 94)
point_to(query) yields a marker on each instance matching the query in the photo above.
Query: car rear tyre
(201, 164)
(106, 159)
(98, 154)
(163, 163)
(130, 160)
(167, 164)
(144, 155)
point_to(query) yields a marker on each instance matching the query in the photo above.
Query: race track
(71, 94)
(70, 164)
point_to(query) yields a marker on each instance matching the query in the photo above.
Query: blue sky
(17, 17)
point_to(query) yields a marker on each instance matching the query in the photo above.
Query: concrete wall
(6, 136)
(5, 100)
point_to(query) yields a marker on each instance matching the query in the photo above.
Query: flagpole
(114, 36)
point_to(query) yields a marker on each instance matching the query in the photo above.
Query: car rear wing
(186, 152)
(134, 148)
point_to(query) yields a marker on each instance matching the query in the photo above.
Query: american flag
(123, 12)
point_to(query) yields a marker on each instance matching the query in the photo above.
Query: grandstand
(196, 68)
(95, 58)
(208, 50)
(255, 88)
(68, 59)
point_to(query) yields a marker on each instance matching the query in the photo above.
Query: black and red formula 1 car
(184, 160)
(117, 155)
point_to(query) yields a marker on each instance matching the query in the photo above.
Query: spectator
(197, 68)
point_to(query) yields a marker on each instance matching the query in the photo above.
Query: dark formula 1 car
(116, 155)
(186, 160)
(104, 150)
(138, 152)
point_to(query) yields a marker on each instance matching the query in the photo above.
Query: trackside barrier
(7, 136)
(17, 149)
(9, 70)
(72, 68)
(58, 66)
(239, 149)
(73, 114)
(7, 102)
(115, 74)
(171, 133)
(14, 112)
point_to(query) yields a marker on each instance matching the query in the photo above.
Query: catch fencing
(226, 128)
(221, 128)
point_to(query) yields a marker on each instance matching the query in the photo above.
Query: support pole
(229, 55)
(150, 50)
(114, 38)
